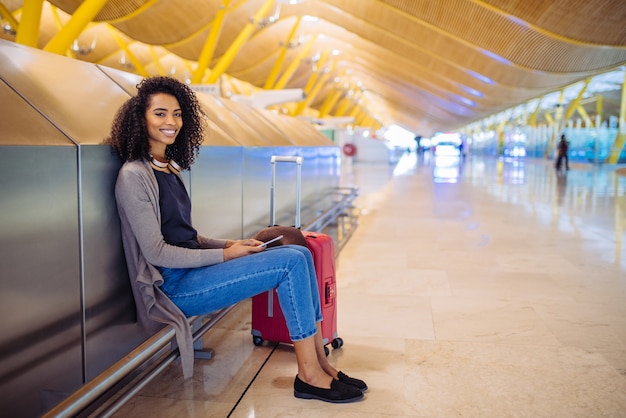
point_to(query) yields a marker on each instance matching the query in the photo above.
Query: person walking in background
(175, 270)
(561, 153)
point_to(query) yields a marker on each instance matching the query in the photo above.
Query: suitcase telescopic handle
(286, 159)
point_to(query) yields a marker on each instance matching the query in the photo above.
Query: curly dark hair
(129, 136)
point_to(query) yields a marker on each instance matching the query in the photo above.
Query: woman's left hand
(242, 247)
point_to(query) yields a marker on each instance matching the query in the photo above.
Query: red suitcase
(268, 322)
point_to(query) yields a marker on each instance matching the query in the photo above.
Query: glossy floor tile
(481, 288)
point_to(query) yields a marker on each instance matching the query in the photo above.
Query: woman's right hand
(239, 248)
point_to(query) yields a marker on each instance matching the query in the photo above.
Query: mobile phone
(265, 244)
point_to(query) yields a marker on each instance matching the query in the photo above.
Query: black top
(175, 208)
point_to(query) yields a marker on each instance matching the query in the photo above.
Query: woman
(173, 268)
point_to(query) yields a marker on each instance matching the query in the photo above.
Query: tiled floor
(490, 289)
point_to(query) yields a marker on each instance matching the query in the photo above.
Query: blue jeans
(288, 268)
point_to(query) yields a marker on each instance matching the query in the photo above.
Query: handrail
(329, 215)
(341, 208)
(157, 368)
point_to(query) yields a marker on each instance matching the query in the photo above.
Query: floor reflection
(561, 187)
(447, 169)
(588, 199)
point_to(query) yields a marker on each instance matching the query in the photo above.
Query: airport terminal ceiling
(425, 65)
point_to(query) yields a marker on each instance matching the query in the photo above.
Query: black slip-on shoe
(338, 392)
(357, 383)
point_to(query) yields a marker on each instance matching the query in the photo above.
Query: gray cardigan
(137, 196)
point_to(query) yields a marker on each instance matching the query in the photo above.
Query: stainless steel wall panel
(256, 178)
(110, 322)
(48, 94)
(81, 100)
(319, 176)
(40, 333)
(216, 192)
(328, 167)
(56, 87)
(310, 173)
(40, 292)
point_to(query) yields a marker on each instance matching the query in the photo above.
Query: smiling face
(163, 122)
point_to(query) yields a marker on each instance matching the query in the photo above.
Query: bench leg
(199, 351)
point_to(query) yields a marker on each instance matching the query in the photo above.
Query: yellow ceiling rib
(114, 52)
(583, 113)
(557, 121)
(314, 91)
(156, 61)
(355, 109)
(310, 95)
(133, 59)
(360, 119)
(271, 78)
(229, 55)
(363, 119)
(209, 46)
(59, 25)
(620, 139)
(293, 66)
(329, 102)
(28, 33)
(532, 120)
(549, 118)
(341, 107)
(188, 66)
(574, 103)
(79, 20)
(319, 68)
(236, 88)
(4, 12)
(54, 11)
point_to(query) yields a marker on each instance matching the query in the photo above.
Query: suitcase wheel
(326, 351)
(258, 341)
(337, 343)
